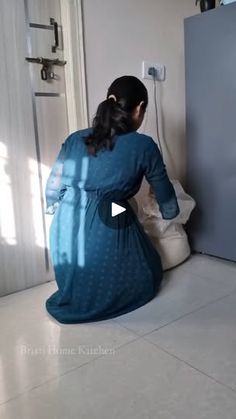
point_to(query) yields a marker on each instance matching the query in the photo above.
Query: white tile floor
(174, 358)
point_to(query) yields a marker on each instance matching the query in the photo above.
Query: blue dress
(103, 272)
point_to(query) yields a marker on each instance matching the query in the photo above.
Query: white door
(35, 105)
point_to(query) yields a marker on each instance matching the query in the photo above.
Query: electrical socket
(160, 71)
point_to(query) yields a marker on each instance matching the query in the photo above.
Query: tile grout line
(191, 366)
(187, 314)
(196, 274)
(118, 348)
(66, 372)
(178, 318)
(191, 273)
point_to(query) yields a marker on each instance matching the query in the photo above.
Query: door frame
(75, 70)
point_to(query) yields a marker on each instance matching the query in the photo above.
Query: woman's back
(133, 156)
(122, 168)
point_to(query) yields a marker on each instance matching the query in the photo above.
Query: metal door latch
(46, 71)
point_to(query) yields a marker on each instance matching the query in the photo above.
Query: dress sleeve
(156, 175)
(55, 189)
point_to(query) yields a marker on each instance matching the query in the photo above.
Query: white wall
(119, 34)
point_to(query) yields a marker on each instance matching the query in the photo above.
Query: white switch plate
(160, 71)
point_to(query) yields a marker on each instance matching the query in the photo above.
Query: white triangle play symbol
(116, 209)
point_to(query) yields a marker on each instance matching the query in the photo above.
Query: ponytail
(110, 120)
(114, 115)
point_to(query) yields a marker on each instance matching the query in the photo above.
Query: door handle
(56, 38)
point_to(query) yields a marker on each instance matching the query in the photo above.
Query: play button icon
(116, 212)
(116, 209)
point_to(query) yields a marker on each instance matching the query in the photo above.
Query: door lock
(46, 71)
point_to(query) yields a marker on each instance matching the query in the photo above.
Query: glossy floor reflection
(174, 358)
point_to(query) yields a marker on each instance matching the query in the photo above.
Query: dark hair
(114, 115)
